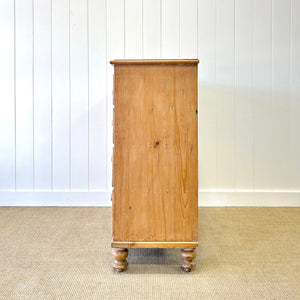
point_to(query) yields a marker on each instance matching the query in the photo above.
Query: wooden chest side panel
(155, 153)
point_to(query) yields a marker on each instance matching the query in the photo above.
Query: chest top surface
(154, 61)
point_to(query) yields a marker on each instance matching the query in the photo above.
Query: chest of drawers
(155, 159)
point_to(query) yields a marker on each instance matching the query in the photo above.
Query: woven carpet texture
(64, 253)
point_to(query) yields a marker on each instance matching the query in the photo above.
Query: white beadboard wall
(56, 94)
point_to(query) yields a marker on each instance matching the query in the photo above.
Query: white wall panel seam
(15, 93)
(215, 82)
(106, 98)
(179, 25)
(33, 100)
(51, 41)
(253, 91)
(70, 104)
(197, 33)
(124, 28)
(290, 94)
(252, 95)
(234, 92)
(142, 28)
(88, 92)
(161, 28)
(272, 113)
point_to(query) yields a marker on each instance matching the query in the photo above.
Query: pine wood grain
(155, 152)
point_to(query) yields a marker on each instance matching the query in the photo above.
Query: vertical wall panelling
(57, 102)
(281, 95)
(115, 31)
(225, 77)
(61, 94)
(24, 94)
(207, 109)
(7, 97)
(115, 49)
(262, 94)
(170, 29)
(133, 29)
(295, 94)
(151, 28)
(188, 28)
(244, 94)
(97, 94)
(42, 96)
(79, 94)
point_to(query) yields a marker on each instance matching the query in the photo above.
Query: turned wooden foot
(120, 263)
(187, 256)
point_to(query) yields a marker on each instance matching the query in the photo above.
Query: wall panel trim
(48, 198)
(102, 198)
(249, 199)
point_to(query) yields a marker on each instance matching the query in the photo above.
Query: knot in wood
(156, 144)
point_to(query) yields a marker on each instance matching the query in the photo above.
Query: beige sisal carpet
(64, 253)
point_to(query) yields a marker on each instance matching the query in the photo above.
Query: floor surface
(64, 253)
